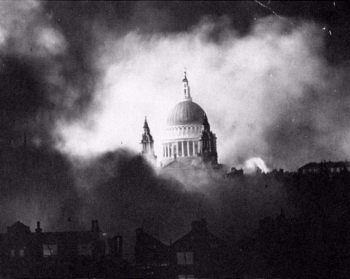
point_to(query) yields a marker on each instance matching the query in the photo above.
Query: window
(21, 253)
(50, 250)
(189, 257)
(12, 252)
(185, 277)
(184, 258)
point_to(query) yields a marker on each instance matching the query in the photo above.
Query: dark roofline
(207, 233)
(141, 232)
(326, 163)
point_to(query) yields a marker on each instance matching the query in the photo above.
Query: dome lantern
(186, 88)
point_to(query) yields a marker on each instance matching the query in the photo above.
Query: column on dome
(182, 149)
(188, 148)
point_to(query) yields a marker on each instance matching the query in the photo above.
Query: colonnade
(181, 148)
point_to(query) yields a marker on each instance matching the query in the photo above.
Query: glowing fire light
(256, 163)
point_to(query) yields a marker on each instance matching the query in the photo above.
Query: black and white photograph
(174, 139)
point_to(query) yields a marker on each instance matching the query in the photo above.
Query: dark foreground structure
(198, 254)
(313, 242)
(88, 254)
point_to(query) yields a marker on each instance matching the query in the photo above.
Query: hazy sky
(78, 78)
(271, 76)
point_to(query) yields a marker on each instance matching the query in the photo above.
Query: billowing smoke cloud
(82, 77)
(268, 91)
(123, 192)
(256, 164)
(42, 79)
(37, 185)
(266, 94)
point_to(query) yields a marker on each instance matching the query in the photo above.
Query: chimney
(139, 235)
(116, 244)
(94, 226)
(38, 230)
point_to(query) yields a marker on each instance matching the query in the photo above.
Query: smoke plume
(266, 94)
(78, 78)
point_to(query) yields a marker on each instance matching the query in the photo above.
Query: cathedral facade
(187, 139)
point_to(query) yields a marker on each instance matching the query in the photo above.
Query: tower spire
(147, 144)
(145, 127)
(186, 88)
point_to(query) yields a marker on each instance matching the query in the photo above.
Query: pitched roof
(327, 164)
(19, 226)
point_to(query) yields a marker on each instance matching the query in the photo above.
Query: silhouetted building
(235, 173)
(325, 167)
(56, 254)
(152, 257)
(198, 254)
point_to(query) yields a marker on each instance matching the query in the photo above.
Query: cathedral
(187, 138)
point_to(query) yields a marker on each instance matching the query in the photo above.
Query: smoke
(86, 75)
(265, 93)
(43, 80)
(254, 164)
(77, 81)
(122, 191)
(37, 185)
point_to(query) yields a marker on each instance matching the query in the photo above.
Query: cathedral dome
(186, 112)
(187, 137)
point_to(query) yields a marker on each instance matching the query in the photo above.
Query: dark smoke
(48, 53)
(37, 185)
(122, 191)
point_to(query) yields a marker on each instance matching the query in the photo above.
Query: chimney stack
(38, 230)
(116, 244)
(94, 226)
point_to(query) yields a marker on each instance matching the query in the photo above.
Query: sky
(271, 76)
(79, 77)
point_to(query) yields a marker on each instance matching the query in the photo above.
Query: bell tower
(147, 144)
(208, 144)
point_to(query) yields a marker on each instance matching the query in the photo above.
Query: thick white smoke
(254, 164)
(245, 84)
